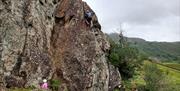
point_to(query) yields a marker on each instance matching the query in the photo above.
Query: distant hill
(165, 51)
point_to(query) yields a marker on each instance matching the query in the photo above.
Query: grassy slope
(173, 65)
(173, 75)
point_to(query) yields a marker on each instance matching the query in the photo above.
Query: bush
(125, 58)
(153, 77)
(156, 80)
(55, 84)
(32, 87)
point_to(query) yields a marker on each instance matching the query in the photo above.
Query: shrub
(155, 79)
(55, 84)
(125, 58)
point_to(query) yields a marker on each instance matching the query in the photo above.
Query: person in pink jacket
(44, 84)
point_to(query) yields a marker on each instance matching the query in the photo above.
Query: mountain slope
(158, 50)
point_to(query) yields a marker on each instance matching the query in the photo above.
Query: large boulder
(51, 39)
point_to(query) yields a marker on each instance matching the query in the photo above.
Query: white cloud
(154, 20)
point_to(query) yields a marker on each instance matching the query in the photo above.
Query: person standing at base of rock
(44, 85)
(88, 16)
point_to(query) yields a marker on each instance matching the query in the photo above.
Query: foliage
(173, 65)
(124, 57)
(153, 77)
(32, 87)
(159, 78)
(171, 81)
(164, 51)
(173, 74)
(165, 77)
(55, 84)
(173, 77)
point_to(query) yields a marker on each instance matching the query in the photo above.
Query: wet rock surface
(51, 39)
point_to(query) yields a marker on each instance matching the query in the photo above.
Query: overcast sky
(152, 20)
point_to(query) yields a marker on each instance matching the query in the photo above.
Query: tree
(123, 56)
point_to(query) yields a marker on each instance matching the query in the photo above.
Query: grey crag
(51, 39)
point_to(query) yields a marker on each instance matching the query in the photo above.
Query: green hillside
(172, 75)
(164, 51)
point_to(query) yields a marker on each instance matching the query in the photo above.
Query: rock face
(25, 29)
(51, 39)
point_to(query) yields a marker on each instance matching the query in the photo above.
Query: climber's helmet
(44, 80)
(89, 13)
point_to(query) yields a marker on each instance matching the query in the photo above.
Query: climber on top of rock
(88, 16)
